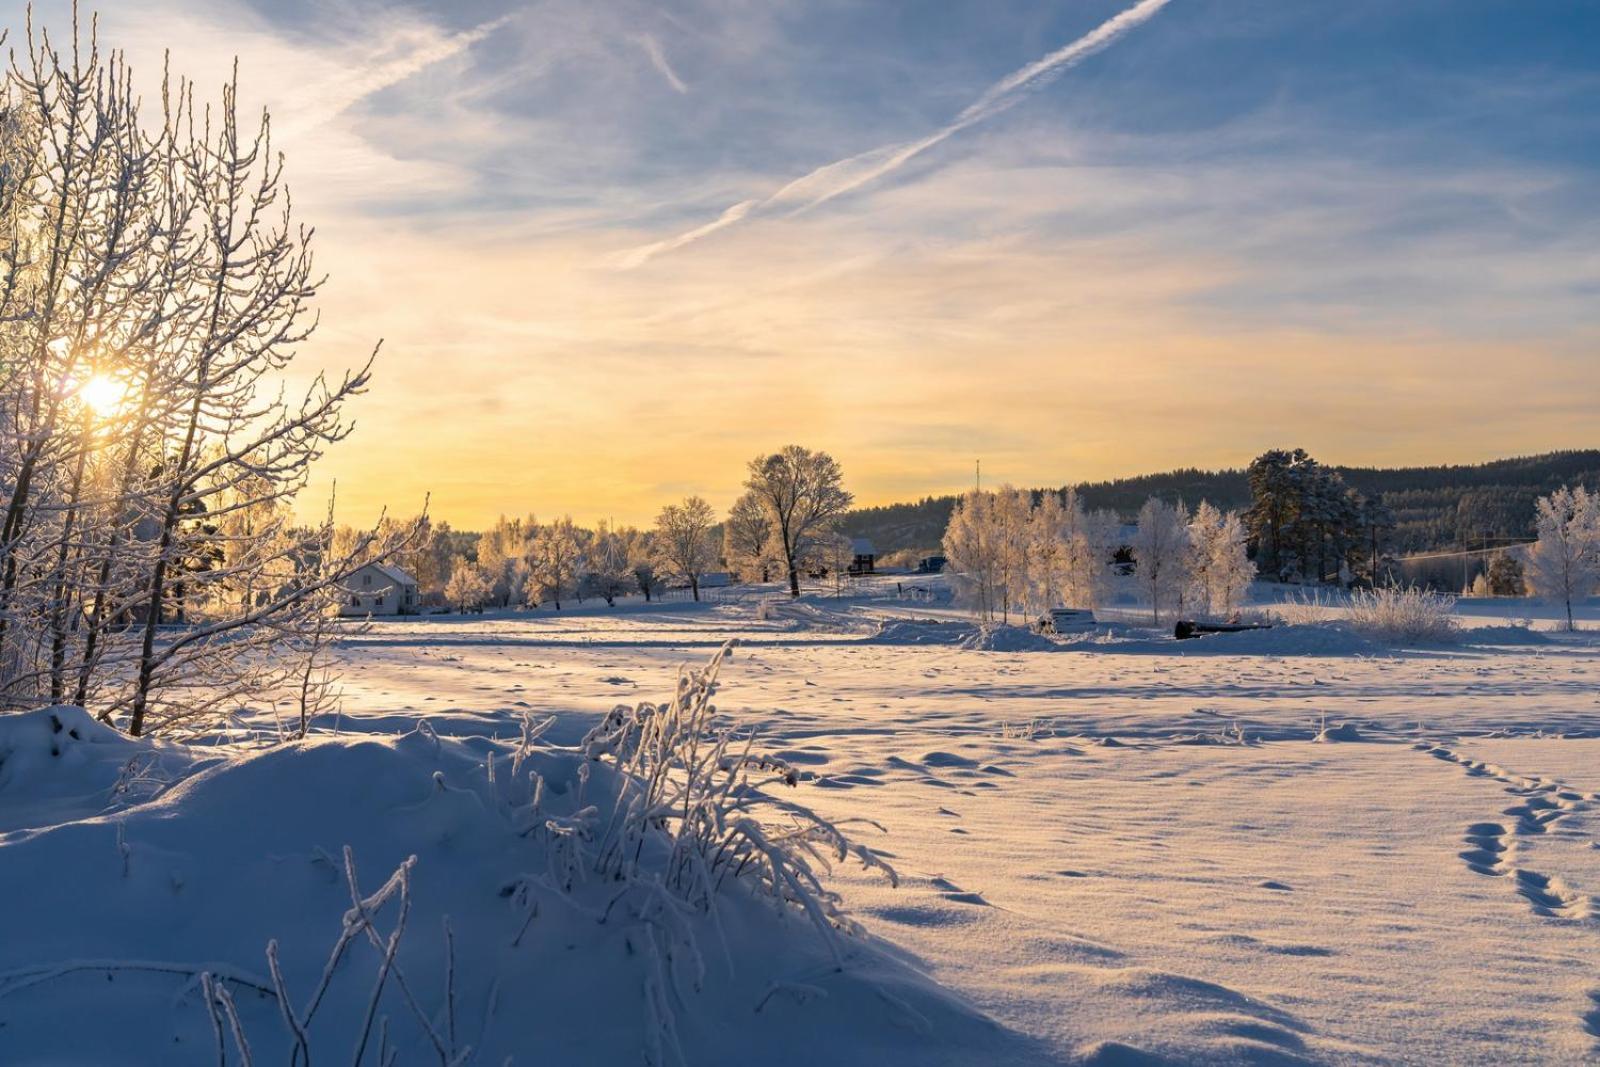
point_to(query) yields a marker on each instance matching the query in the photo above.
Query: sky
(615, 248)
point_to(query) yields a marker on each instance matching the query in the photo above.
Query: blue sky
(1370, 228)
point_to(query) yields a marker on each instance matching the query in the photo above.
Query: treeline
(782, 526)
(1435, 508)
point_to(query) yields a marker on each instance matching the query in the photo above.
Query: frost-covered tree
(468, 587)
(1049, 553)
(972, 549)
(1232, 570)
(803, 495)
(608, 569)
(747, 541)
(1563, 566)
(1010, 512)
(1219, 566)
(431, 558)
(641, 545)
(553, 562)
(1160, 555)
(503, 554)
(683, 544)
(154, 290)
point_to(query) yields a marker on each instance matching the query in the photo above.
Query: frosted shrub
(690, 823)
(1403, 616)
(1305, 608)
(693, 789)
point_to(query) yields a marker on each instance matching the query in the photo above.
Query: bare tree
(154, 288)
(803, 495)
(683, 541)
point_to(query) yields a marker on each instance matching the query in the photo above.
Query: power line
(1464, 552)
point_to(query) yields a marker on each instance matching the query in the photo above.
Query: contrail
(362, 83)
(844, 175)
(658, 59)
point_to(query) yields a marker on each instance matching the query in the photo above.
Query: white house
(380, 589)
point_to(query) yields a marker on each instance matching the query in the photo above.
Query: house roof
(861, 546)
(390, 572)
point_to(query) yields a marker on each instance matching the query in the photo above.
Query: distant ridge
(1456, 506)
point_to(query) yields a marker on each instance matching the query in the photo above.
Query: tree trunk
(694, 587)
(794, 580)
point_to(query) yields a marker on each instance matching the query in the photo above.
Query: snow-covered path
(1090, 859)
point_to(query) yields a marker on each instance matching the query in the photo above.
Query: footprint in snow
(947, 759)
(968, 898)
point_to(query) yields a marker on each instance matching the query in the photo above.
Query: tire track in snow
(1492, 848)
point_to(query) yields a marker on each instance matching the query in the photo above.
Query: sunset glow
(103, 395)
(613, 251)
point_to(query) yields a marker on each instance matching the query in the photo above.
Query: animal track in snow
(1492, 845)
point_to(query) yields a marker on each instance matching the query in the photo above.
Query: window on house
(366, 579)
(355, 602)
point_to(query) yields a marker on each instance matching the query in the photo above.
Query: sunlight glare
(103, 395)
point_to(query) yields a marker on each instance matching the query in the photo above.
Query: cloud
(658, 59)
(415, 54)
(636, 256)
(842, 176)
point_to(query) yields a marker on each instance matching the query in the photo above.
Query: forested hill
(1436, 507)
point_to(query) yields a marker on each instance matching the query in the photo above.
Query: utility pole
(978, 476)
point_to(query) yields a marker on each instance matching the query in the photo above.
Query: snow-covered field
(1281, 846)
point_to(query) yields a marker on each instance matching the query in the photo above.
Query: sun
(104, 395)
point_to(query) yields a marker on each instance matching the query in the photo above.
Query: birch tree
(1160, 551)
(1049, 553)
(155, 289)
(1010, 512)
(1219, 566)
(1563, 566)
(972, 550)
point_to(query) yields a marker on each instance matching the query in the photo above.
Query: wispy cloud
(658, 59)
(845, 175)
(335, 99)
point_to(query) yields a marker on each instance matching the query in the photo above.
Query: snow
(1286, 845)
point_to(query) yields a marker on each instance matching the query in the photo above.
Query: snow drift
(638, 898)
